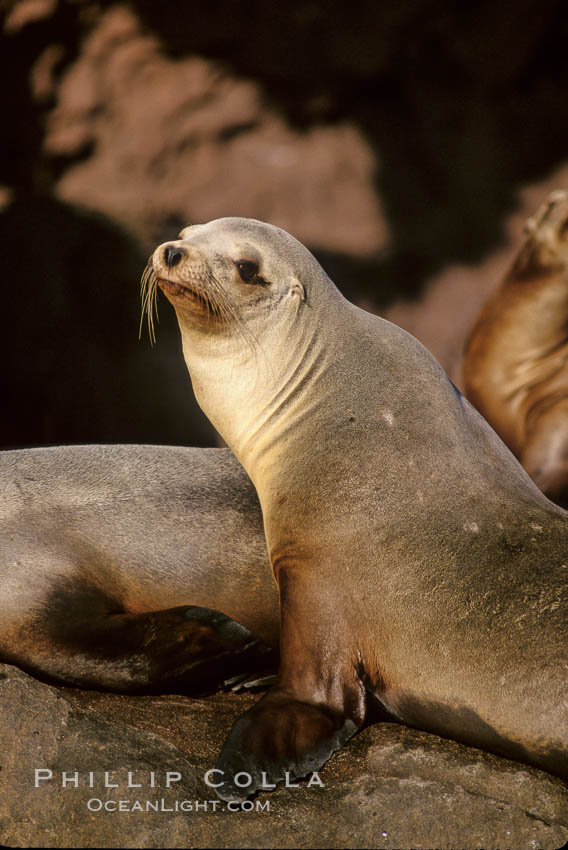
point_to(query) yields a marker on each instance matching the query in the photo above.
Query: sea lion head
(233, 271)
(244, 293)
(553, 213)
(546, 247)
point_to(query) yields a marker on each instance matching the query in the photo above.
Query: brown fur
(515, 363)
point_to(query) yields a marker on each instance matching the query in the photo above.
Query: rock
(391, 787)
(393, 144)
(181, 141)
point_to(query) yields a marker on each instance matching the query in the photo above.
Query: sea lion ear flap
(297, 289)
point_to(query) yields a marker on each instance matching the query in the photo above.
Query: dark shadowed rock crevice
(74, 369)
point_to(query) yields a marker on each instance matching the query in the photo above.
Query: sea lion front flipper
(318, 703)
(278, 738)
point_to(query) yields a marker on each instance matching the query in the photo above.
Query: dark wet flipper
(216, 648)
(279, 738)
(189, 650)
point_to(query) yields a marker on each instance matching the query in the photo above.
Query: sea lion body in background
(417, 563)
(102, 550)
(515, 364)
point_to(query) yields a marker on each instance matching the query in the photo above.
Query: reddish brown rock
(391, 787)
(183, 140)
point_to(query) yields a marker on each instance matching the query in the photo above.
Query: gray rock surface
(391, 787)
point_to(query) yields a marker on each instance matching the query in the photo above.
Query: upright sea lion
(515, 365)
(417, 562)
(117, 561)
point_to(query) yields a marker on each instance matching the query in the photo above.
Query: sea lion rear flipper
(189, 650)
(225, 650)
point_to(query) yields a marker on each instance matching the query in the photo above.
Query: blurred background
(404, 141)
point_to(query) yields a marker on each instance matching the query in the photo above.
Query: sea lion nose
(172, 255)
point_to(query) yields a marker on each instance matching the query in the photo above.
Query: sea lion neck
(259, 375)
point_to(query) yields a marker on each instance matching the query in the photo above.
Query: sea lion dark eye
(247, 270)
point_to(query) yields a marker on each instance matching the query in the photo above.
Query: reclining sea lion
(133, 568)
